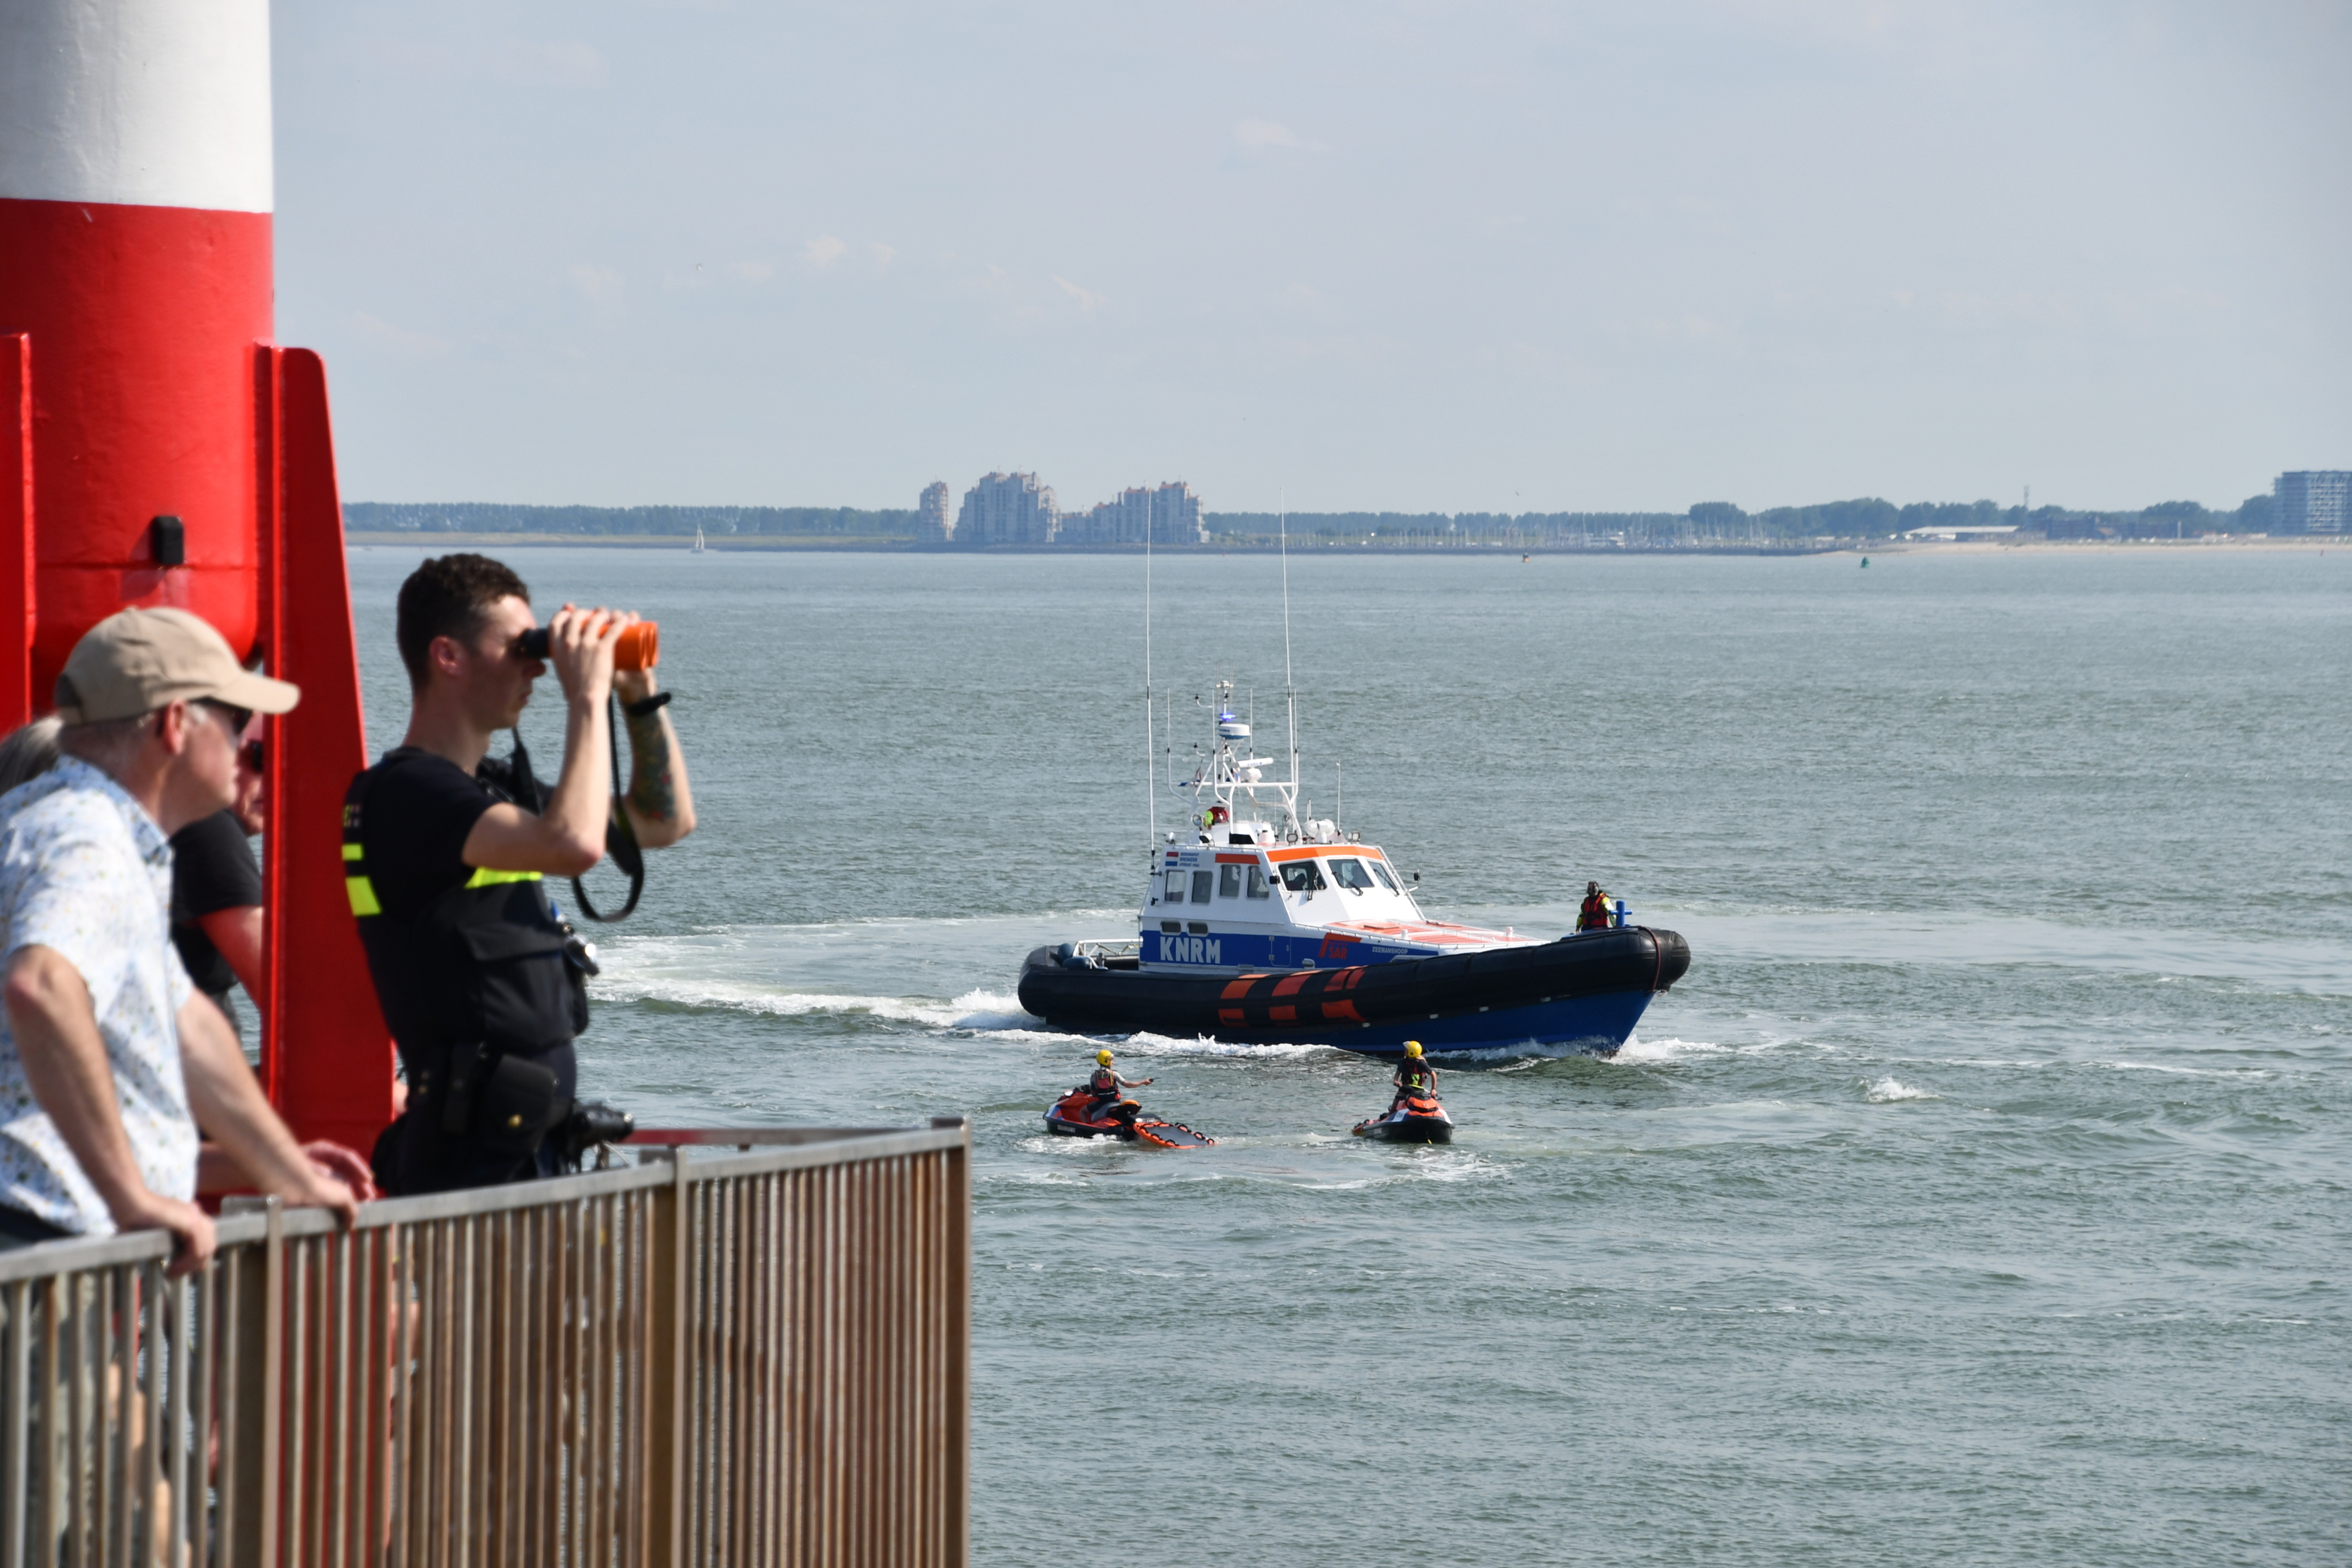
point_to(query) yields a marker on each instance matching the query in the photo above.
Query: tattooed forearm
(653, 789)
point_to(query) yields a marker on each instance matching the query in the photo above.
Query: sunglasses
(249, 757)
(236, 718)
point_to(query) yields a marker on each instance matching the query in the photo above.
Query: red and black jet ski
(1416, 1119)
(1074, 1117)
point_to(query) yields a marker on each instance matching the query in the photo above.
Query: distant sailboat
(699, 546)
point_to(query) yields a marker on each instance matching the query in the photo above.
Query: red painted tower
(156, 448)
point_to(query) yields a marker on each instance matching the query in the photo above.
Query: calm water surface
(1981, 1196)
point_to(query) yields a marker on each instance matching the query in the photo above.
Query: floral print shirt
(84, 870)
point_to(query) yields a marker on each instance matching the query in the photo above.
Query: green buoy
(1866, 560)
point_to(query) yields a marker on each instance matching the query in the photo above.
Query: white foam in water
(1144, 1043)
(1636, 1049)
(978, 1011)
(1888, 1091)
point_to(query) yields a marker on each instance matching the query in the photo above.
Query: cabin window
(1300, 876)
(1175, 893)
(1229, 881)
(1382, 872)
(1257, 887)
(1349, 873)
(1205, 883)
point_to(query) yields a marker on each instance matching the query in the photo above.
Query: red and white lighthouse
(157, 447)
(135, 194)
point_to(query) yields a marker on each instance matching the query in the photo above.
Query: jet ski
(1416, 1119)
(1073, 1116)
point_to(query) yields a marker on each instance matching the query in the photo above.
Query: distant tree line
(1706, 524)
(492, 518)
(1720, 522)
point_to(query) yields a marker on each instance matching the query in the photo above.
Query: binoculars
(639, 649)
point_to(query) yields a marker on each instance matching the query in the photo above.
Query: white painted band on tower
(160, 103)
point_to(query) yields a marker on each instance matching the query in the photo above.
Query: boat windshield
(1300, 876)
(1386, 879)
(1350, 874)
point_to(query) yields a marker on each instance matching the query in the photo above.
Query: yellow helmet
(1103, 1057)
(1412, 1047)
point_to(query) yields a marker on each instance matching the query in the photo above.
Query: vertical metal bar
(371, 1397)
(511, 1338)
(301, 1468)
(82, 1443)
(538, 1534)
(629, 1245)
(180, 1368)
(440, 1461)
(15, 1522)
(399, 1447)
(465, 1452)
(608, 1380)
(230, 1305)
(575, 1268)
(203, 1369)
(666, 1385)
(119, 1393)
(958, 1293)
(335, 1401)
(147, 1411)
(589, 1381)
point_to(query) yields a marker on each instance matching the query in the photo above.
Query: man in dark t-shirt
(216, 886)
(446, 868)
(216, 920)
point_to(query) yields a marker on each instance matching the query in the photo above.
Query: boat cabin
(1260, 888)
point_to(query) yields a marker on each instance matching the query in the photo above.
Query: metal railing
(710, 1357)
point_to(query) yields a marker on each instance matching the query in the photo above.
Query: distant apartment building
(1167, 516)
(932, 524)
(1007, 509)
(2315, 501)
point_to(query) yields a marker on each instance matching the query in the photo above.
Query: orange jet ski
(1074, 1117)
(1416, 1119)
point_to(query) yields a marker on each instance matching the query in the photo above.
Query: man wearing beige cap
(108, 1059)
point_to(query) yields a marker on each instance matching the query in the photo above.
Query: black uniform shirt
(421, 809)
(211, 870)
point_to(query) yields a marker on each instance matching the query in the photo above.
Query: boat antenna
(1150, 773)
(1290, 690)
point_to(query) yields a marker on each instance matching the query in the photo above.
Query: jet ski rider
(1104, 1084)
(1415, 1076)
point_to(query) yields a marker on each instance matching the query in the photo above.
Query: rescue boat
(1259, 925)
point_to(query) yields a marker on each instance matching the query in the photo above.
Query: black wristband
(647, 708)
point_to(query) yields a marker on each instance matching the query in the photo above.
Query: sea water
(1981, 1196)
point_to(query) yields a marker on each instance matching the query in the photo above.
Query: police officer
(444, 855)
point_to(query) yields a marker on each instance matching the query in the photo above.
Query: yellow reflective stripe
(362, 895)
(486, 877)
(352, 852)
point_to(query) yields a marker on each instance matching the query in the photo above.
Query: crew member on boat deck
(1104, 1084)
(108, 1056)
(1415, 1076)
(1594, 914)
(483, 986)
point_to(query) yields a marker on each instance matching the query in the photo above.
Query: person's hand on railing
(313, 1186)
(192, 1229)
(336, 1162)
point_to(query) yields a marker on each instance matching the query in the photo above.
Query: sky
(1370, 255)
